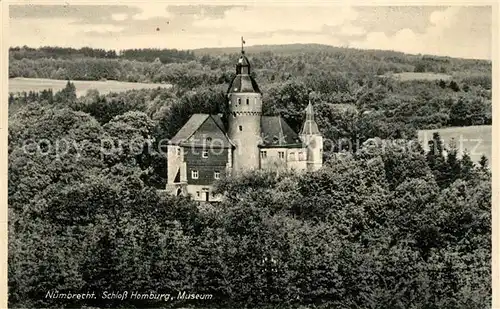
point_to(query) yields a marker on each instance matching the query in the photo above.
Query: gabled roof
(201, 130)
(189, 128)
(277, 133)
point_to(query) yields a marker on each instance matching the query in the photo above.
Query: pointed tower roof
(243, 81)
(310, 127)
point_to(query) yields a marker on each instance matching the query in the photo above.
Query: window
(291, 156)
(204, 154)
(240, 128)
(263, 154)
(209, 139)
(198, 193)
(248, 101)
(216, 175)
(301, 156)
(178, 151)
(239, 101)
(194, 174)
(281, 154)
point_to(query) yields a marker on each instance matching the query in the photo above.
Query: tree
(436, 160)
(288, 100)
(66, 95)
(453, 169)
(483, 162)
(467, 166)
(454, 86)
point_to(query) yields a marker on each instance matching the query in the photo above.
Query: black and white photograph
(249, 155)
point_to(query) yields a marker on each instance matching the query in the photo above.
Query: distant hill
(272, 63)
(281, 49)
(290, 49)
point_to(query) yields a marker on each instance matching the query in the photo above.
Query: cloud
(444, 18)
(119, 16)
(103, 28)
(446, 34)
(453, 31)
(150, 10)
(84, 14)
(278, 18)
(350, 30)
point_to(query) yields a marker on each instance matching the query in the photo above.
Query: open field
(475, 139)
(39, 84)
(405, 76)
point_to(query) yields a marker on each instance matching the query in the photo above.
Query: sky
(456, 31)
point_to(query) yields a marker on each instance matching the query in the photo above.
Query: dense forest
(164, 55)
(337, 76)
(384, 224)
(376, 229)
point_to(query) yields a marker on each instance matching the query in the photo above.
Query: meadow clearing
(406, 76)
(475, 139)
(82, 86)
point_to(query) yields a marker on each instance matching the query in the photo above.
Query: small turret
(312, 140)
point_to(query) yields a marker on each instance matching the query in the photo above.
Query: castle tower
(313, 140)
(245, 110)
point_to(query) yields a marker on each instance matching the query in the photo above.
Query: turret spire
(310, 126)
(243, 65)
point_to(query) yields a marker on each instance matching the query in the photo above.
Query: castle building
(205, 149)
